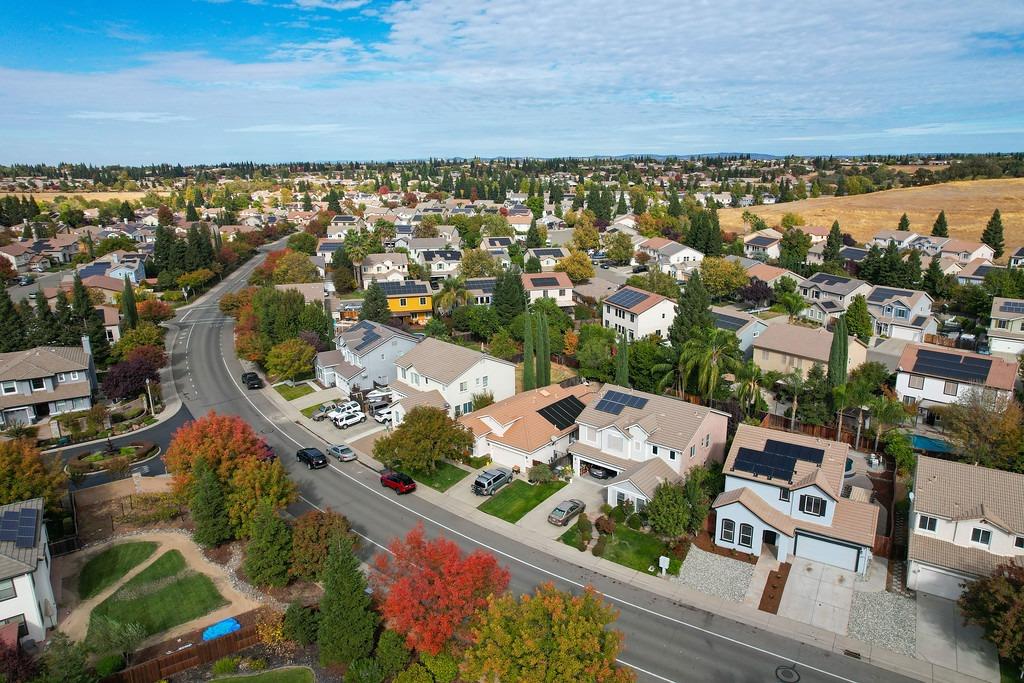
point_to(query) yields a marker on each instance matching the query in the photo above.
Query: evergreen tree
(858, 319)
(940, 228)
(208, 508)
(26, 232)
(129, 314)
(934, 281)
(838, 354)
(12, 328)
(43, 328)
(67, 334)
(993, 234)
(904, 223)
(347, 622)
(307, 202)
(162, 248)
(89, 322)
(891, 272)
(529, 361)
(125, 212)
(266, 556)
(675, 209)
(543, 351)
(833, 244)
(692, 312)
(191, 214)
(622, 362)
(912, 270)
(332, 201)
(871, 265)
(509, 295)
(621, 207)
(198, 198)
(533, 239)
(375, 305)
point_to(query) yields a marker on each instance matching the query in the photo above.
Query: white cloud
(336, 5)
(131, 116)
(296, 128)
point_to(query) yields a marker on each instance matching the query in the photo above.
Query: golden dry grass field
(97, 196)
(968, 206)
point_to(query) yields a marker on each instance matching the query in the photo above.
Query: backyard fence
(781, 423)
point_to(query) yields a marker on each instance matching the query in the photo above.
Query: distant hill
(709, 155)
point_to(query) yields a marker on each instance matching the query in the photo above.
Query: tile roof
(15, 561)
(1001, 373)
(647, 476)
(42, 361)
(441, 361)
(805, 342)
(955, 491)
(648, 302)
(828, 476)
(562, 280)
(367, 335)
(413, 398)
(966, 560)
(334, 360)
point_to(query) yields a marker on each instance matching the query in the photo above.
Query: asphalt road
(44, 280)
(664, 641)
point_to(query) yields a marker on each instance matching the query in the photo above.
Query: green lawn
(444, 476)
(105, 569)
(634, 549)
(309, 410)
(518, 498)
(1008, 673)
(291, 674)
(571, 537)
(292, 393)
(162, 596)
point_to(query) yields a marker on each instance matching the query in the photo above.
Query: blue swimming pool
(927, 443)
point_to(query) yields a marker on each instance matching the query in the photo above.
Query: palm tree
(749, 380)
(793, 304)
(356, 253)
(886, 412)
(795, 384)
(858, 394)
(453, 294)
(709, 353)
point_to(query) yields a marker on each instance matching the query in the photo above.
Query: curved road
(664, 641)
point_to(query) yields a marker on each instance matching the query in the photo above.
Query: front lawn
(309, 410)
(518, 498)
(291, 393)
(105, 569)
(291, 674)
(444, 476)
(571, 537)
(634, 549)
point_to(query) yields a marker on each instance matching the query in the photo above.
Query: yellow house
(410, 299)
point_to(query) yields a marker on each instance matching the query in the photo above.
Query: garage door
(935, 582)
(829, 552)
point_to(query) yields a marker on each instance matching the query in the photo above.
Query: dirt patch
(130, 514)
(704, 542)
(771, 598)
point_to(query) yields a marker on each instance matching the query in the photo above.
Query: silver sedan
(341, 452)
(565, 511)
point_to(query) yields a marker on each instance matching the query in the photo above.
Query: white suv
(344, 409)
(346, 420)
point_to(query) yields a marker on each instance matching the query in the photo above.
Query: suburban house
(447, 376)
(44, 381)
(1006, 326)
(793, 348)
(116, 267)
(746, 327)
(636, 314)
(480, 289)
(901, 313)
(441, 263)
(783, 493)
(342, 224)
(418, 245)
(829, 296)
(771, 275)
(549, 257)
(847, 255)
(965, 251)
(974, 271)
(901, 238)
(326, 248)
(762, 245)
(933, 376)
(555, 285)
(670, 256)
(18, 254)
(497, 242)
(26, 594)
(965, 521)
(411, 299)
(533, 427)
(392, 267)
(817, 233)
(111, 322)
(641, 439)
(1017, 258)
(364, 356)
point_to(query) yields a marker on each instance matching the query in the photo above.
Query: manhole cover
(787, 674)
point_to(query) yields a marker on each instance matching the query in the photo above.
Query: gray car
(342, 452)
(565, 511)
(489, 481)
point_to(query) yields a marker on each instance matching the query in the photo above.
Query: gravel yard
(715, 575)
(884, 619)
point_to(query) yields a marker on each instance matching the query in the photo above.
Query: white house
(448, 376)
(549, 257)
(1017, 258)
(901, 313)
(965, 521)
(973, 272)
(26, 594)
(364, 356)
(901, 238)
(441, 263)
(637, 314)
(384, 268)
(670, 256)
(1006, 326)
(762, 245)
(342, 224)
(326, 249)
(828, 295)
(555, 285)
(784, 491)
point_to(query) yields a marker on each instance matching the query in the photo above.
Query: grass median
(518, 498)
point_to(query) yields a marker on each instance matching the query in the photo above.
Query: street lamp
(149, 393)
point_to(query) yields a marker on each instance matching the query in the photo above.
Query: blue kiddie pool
(221, 628)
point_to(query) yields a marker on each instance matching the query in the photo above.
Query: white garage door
(821, 550)
(934, 582)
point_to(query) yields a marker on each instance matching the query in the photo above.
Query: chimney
(87, 345)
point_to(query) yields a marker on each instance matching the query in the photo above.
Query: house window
(423, 301)
(10, 387)
(7, 590)
(401, 302)
(38, 384)
(1001, 324)
(467, 407)
(485, 380)
(950, 388)
(654, 450)
(812, 505)
(620, 497)
(1018, 542)
(764, 354)
(784, 494)
(463, 386)
(746, 535)
(707, 440)
(693, 451)
(926, 523)
(17, 619)
(60, 377)
(671, 455)
(916, 382)
(981, 536)
(728, 530)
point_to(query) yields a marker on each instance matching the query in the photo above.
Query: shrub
(226, 665)
(617, 514)
(605, 525)
(364, 670)
(416, 673)
(442, 666)
(110, 664)
(479, 461)
(634, 522)
(598, 549)
(679, 547)
(583, 529)
(254, 664)
(300, 624)
(674, 565)
(16, 666)
(606, 509)
(392, 655)
(270, 632)
(540, 473)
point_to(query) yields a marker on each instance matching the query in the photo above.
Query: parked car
(321, 413)
(605, 266)
(397, 481)
(342, 452)
(251, 380)
(600, 472)
(344, 408)
(346, 420)
(489, 481)
(642, 268)
(384, 414)
(313, 457)
(25, 280)
(268, 454)
(33, 295)
(565, 511)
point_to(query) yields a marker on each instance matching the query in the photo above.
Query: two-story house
(45, 381)
(973, 272)
(965, 521)
(901, 313)
(1006, 326)
(497, 242)
(480, 290)
(326, 248)
(784, 491)
(828, 296)
(549, 257)
(410, 300)
(380, 268)
(448, 376)
(364, 356)
(26, 594)
(762, 245)
(533, 427)
(1017, 258)
(746, 327)
(965, 251)
(640, 439)
(555, 285)
(18, 254)
(636, 314)
(670, 256)
(441, 263)
(788, 348)
(933, 376)
(342, 224)
(901, 238)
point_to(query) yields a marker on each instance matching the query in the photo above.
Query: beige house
(786, 348)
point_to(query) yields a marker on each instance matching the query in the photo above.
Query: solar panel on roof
(368, 338)
(627, 298)
(1012, 307)
(562, 413)
(544, 281)
(405, 287)
(606, 406)
(728, 322)
(547, 252)
(805, 453)
(828, 279)
(883, 293)
(952, 366)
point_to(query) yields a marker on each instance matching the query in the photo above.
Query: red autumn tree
(25, 473)
(154, 310)
(312, 536)
(432, 589)
(154, 355)
(223, 441)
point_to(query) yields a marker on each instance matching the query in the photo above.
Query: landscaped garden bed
(515, 500)
(105, 457)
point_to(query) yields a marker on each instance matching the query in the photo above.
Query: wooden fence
(781, 423)
(882, 546)
(939, 340)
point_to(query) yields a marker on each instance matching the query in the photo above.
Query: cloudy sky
(279, 80)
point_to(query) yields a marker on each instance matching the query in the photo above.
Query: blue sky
(283, 80)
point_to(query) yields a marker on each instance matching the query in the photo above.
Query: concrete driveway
(943, 639)
(590, 492)
(818, 594)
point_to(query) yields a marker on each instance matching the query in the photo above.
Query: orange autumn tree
(432, 589)
(254, 483)
(25, 474)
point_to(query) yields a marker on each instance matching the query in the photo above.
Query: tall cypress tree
(529, 361)
(347, 624)
(12, 329)
(904, 223)
(208, 507)
(993, 234)
(67, 330)
(191, 214)
(838, 354)
(266, 557)
(622, 362)
(543, 351)
(44, 329)
(833, 244)
(129, 313)
(940, 228)
(693, 311)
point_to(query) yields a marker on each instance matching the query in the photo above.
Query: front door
(769, 537)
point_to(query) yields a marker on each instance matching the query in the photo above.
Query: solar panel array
(406, 287)
(1012, 307)
(614, 401)
(982, 271)
(728, 322)
(627, 298)
(562, 413)
(19, 526)
(777, 460)
(883, 293)
(485, 284)
(544, 281)
(548, 252)
(952, 366)
(762, 241)
(368, 339)
(829, 279)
